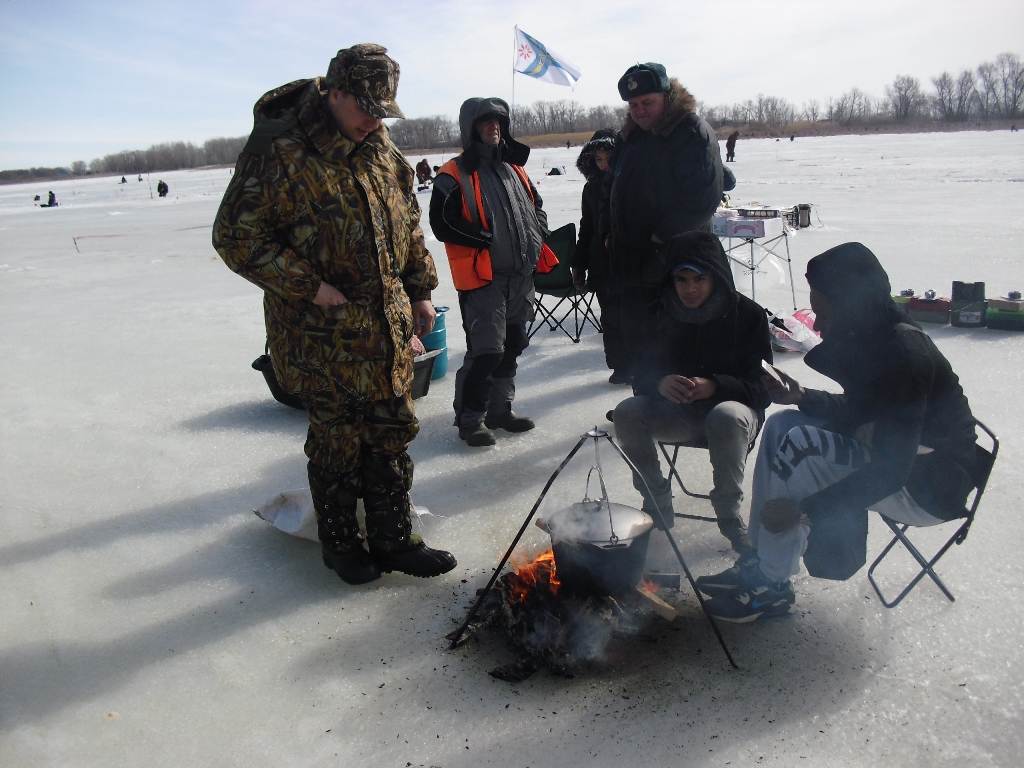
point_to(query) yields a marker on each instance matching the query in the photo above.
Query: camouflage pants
(360, 451)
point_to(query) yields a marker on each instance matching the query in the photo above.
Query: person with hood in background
(666, 177)
(487, 212)
(900, 440)
(698, 380)
(590, 267)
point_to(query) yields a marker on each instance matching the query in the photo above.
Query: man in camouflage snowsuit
(322, 216)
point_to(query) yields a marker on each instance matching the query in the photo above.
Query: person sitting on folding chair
(699, 380)
(899, 440)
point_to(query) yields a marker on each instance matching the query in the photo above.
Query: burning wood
(549, 625)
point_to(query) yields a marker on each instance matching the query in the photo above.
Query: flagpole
(514, 36)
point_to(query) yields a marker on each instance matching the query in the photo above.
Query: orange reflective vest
(471, 267)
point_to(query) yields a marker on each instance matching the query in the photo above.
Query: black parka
(663, 181)
(590, 254)
(727, 349)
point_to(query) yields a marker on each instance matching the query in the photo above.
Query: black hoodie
(728, 348)
(899, 392)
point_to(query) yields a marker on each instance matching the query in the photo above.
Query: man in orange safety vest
(487, 212)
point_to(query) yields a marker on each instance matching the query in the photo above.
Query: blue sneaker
(755, 603)
(731, 579)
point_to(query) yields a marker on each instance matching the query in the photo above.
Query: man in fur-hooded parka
(665, 178)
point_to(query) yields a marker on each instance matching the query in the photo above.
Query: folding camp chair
(980, 471)
(557, 285)
(673, 473)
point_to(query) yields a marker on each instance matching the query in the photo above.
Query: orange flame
(538, 573)
(649, 586)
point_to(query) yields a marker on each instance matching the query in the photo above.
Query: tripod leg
(457, 636)
(679, 557)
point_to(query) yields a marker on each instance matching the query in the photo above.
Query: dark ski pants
(616, 352)
(494, 317)
(638, 323)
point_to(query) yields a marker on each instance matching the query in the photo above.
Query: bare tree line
(992, 91)
(171, 156)
(538, 119)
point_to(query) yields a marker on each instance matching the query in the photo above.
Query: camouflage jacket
(307, 205)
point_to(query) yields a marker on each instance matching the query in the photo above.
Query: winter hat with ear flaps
(641, 79)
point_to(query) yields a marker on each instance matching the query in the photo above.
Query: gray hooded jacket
(517, 225)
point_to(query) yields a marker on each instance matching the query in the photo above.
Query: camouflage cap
(370, 75)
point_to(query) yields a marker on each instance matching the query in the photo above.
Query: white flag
(538, 61)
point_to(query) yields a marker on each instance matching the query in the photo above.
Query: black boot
(420, 561)
(392, 543)
(337, 526)
(507, 419)
(357, 566)
(477, 436)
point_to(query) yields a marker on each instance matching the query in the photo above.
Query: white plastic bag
(797, 335)
(292, 512)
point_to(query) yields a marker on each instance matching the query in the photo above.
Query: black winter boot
(420, 561)
(477, 436)
(508, 420)
(356, 566)
(337, 526)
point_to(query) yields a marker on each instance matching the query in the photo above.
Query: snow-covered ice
(150, 618)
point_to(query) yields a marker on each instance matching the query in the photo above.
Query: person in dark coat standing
(665, 178)
(698, 380)
(730, 146)
(899, 440)
(590, 267)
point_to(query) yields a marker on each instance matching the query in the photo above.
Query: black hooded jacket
(514, 248)
(899, 392)
(728, 348)
(663, 181)
(590, 253)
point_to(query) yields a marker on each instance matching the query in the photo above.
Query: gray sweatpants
(797, 458)
(729, 428)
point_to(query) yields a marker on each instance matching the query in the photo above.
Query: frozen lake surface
(149, 618)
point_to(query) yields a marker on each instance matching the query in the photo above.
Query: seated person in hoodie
(698, 380)
(898, 440)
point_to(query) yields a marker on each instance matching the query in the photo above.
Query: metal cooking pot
(600, 547)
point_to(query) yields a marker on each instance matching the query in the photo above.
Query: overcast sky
(79, 79)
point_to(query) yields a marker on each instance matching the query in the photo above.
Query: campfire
(562, 607)
(551, 625)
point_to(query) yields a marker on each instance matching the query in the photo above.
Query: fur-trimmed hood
(679, 104)
(585, 163)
